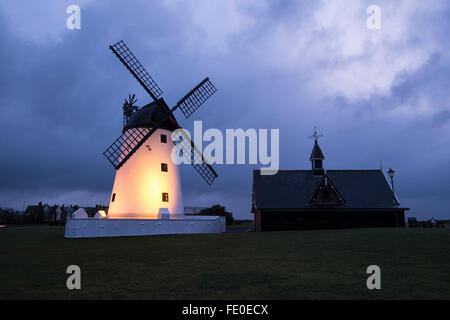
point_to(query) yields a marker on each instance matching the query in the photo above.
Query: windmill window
(165, 197)
(163, 138)
(113, 197)
(164, 167)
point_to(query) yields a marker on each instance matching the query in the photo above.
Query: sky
(379, 96)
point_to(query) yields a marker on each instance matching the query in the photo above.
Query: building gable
(326, 195)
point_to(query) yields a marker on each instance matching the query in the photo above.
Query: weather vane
(315, 135)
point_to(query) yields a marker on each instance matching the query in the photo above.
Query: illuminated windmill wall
(146, 178)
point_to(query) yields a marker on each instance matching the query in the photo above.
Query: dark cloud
(61, 102)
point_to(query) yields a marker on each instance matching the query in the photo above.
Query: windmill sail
(124, 54)
(127, 144)
(203, 168)
(196, 97)
(194, 156)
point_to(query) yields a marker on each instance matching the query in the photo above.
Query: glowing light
(140, 183)
(102, 213)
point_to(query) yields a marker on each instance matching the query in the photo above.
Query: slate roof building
(324, 199)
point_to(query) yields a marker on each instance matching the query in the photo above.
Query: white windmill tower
(146, 177)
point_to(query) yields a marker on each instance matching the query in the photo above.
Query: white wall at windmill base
(140, 183)
(91, 227)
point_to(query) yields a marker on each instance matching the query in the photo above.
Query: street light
(391, 174)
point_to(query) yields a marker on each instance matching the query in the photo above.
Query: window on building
(165, 197)
(163, 138)
(113, 197)
(164, 167)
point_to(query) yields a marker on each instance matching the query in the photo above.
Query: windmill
(146, 178)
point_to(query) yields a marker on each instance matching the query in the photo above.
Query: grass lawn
(241, 226)
(326, 264)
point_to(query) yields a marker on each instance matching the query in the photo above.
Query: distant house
(10, 216)
(320, 199)
(34, 214)
(69, 211)
(19, 216)
(60, 214)
(3, 216)
(49, 214)
(55, 215)
(42, 213)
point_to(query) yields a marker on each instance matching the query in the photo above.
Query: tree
(218, 210)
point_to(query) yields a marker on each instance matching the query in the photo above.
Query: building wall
(257, 221)
(139, 183)
(298, 220)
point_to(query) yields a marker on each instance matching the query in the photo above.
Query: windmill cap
(149, 115)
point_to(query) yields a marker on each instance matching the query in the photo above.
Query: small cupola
(317, 157)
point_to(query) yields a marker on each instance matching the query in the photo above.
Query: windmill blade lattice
(195, 158)
(196, 97)
(125, 145)
(204, 169)
(124, 54)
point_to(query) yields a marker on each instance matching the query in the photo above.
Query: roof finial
(315, 135)
(317, 157)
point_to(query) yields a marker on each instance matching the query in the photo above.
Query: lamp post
(391, 174)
